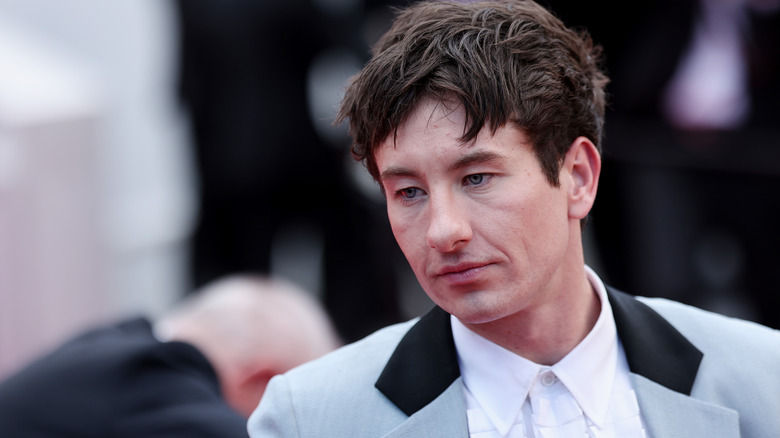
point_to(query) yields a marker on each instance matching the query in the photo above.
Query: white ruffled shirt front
(588, 393)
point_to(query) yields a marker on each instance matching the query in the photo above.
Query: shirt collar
(588, 371)
(500, 380)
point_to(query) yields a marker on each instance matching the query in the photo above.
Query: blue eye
(408, 193)
(476, 179)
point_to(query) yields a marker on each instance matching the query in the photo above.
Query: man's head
(250, 328)
(481, 121)
(503, 62)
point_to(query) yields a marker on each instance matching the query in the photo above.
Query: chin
(477, 311)
(477, 317)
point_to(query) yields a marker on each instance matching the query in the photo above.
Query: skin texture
(251, 329)
(490, 240)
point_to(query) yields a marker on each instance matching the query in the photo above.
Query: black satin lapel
(425, 362)
(423, 365)
(654, 348)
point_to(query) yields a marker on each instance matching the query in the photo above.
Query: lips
(462, 273)
(459, 268)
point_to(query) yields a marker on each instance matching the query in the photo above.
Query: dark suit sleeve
(173, 392)
(118, 382)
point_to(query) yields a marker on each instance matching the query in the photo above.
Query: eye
(408, 193)
(476, 179)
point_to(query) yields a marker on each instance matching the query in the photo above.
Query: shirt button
(548, 378)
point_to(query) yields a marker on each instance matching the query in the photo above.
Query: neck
(547, 332)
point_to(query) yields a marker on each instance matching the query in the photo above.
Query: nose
(449, 227)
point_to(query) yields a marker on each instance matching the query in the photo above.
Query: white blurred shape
(96, 190)
(51, 259)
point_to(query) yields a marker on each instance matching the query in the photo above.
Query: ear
(582, 167)
(258, 380)
(244, 393)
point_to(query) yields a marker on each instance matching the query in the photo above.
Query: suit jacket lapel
(668, 413)
(444, 417)
(422, 377)
(654, 348)
(424, 364)
(664, 366)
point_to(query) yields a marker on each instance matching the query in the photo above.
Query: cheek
(550, 222)
(536, 219)
(397, 224)
(406, 234)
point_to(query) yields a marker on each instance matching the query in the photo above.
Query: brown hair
(509, 61)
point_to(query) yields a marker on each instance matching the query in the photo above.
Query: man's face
(482, 228)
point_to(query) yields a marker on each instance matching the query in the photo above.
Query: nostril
(450, 236)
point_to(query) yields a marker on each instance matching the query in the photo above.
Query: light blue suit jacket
(696, 374)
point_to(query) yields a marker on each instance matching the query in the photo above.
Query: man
(482, 124)
(197, 372)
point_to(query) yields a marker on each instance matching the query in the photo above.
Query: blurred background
(688, 197)
(96, 184)
(149, 146)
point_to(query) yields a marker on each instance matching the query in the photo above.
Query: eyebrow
(396, 172)
(475, 157)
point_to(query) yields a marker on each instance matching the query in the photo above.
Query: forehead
(432, 114)
(431, 137)
(444, 121)
(431, 122)
(430, 126)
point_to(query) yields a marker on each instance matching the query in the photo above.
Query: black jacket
(117, 381)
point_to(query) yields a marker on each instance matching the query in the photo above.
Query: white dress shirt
(586, 394)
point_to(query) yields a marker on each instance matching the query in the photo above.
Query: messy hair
(502, 61)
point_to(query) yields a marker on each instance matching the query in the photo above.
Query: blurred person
(692, 150)
(198, 371)
(263, 170)
(482, 122)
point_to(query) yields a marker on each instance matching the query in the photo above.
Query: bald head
(251, 328)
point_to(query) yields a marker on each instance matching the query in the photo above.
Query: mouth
(463, 273)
